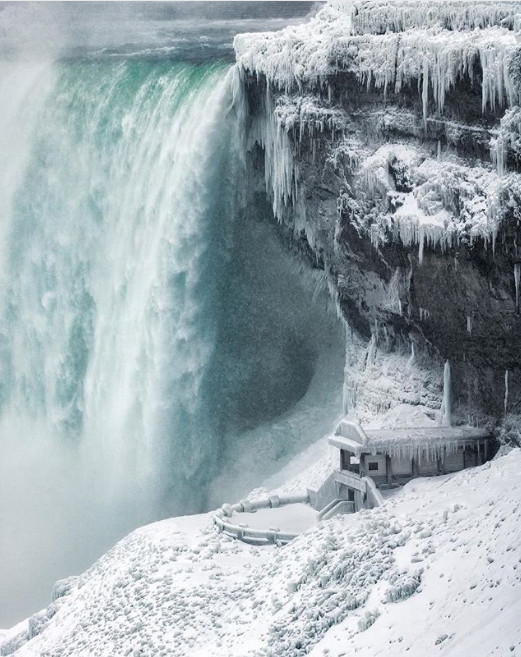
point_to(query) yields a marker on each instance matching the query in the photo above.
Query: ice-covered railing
(222, 519)
(381, 16)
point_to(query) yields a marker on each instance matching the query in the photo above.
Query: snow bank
(439, 565)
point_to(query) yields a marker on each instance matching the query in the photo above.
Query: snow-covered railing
(336, 507)
(373, 496)
(365, 491)
(250, 535)
(351, 480)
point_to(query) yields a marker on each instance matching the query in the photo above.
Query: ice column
(446, 395)
(411, 357)
(506, 391)
(517, 274)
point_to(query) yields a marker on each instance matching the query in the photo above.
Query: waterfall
(117, 202)
(153, 328)
(114, 260)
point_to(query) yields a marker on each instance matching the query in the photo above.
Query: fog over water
(151, 326)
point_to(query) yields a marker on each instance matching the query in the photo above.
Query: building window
(372, 465)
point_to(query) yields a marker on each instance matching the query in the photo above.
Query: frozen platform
(294, 518)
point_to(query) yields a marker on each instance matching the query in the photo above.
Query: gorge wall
(389, 141)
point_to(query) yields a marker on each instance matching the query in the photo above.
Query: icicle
(447, 395)
(420, 246)
(425, 90)
(439, 150)
(410, 361)
(424, 315)
(469, 324)
(499, 155)
(517, 275)
(506, 391)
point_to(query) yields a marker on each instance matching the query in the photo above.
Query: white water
(110, 263)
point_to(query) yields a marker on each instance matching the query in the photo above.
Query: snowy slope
(437, 570)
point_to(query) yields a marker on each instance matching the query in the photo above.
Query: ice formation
(375, 17)
(505, 403)
(446, 203)
(447, 393)
(517, 277)
(432, 58)
(444, 200)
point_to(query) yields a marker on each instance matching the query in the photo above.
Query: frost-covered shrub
(63, 587)
(368, 619)
(9, 647)
(510, 431)
(402, 586)
(37, 624)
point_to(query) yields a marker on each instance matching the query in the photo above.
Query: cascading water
(160, 348)
(113, 256)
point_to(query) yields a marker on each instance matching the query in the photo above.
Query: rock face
(390, 146)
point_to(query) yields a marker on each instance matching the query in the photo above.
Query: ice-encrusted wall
(389, 139)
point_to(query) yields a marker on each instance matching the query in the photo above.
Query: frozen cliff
(388, 135)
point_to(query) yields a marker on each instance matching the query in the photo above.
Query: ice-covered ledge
(431, 44)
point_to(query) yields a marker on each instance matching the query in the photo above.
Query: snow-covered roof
(396, 440)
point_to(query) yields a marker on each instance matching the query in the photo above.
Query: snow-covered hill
(437, 570)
